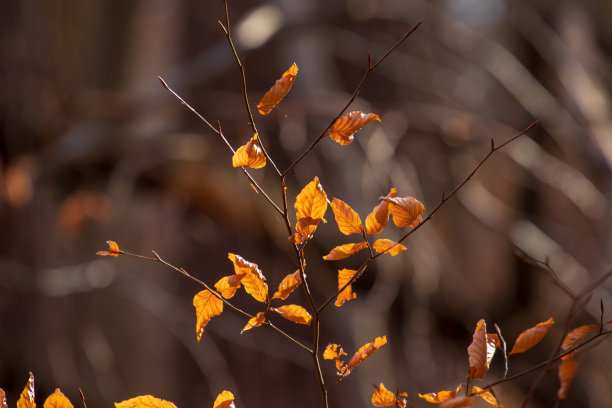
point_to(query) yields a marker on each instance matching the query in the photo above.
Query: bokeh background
(92, 148)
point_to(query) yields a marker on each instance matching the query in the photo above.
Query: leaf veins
(57, 400)
(207, 306)
(249, 154)
(347, 219)
(531, 336)
(345, 127)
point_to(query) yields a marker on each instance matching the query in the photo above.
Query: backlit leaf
(224, 400)
(254, 322)
(345, 127)
(255, 286)
(388, 246)
(574, 337)
(481, 351)
(26, 399)
(288, 285)
(113, 250)
(333, 352)
(144, 401)
(364, 352)
(531, 336)
(344, 276)
(383, 397)
(566, 372)
(457, 402)
(57, 400)
(344, 251)
(486, 395)
(278, 91)
(311, 202)
(242, 266)
(228, 285)
(406, 211)
(249, 154)
(3, 403)
(347, 219)
(305, 228)
(207, 306)
(379, 217)
(438, 397)
(294, 313)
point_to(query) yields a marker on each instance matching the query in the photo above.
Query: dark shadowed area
(93, 148)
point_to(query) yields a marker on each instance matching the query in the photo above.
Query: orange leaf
(345, 127)
(406, 211)
(228, 285)
(567, 371)
(348, 220)
(388, 246)
(26, 399)
(457, 402)
(312, 201)
(249, 154)
(486, 395)
(254, 322)
(57, 400)
(144, 401)
(224, 400)
(574, 337)
(364, 352)
(3, 403)
(242, 266)
(278, 91)
(333, 352)
(288, 285)
(252, 280)
(383, 397)
(305, 228)
(294, 313)
(379, 217)
(438, 397)
(207, 306)
(531, 337)
(481, 350)
(344, 251)
(344, 276)
(113, 250)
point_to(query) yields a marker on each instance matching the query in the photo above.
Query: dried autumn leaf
(311, 202)
(145, 401)
(294, 313)
(347, 219)
(531, 336)
(388, 246)
(333, 352)
(249, 154)
(228, 285)
(224, 400)
(344, 251)
(207, 306)
(567, 371)
(345, 127)
(364, 352)
(254, 322)
(377, 220)
(26, 399)
(113, 250)
(255, 286)
(406, 211)
(457, 402)
(278, 91)
(486, 395)
(3, 403)
(438, 397)
(481, 350)
(305, 228)
(57, 400)
(344, 276)
(383, 397)
(288, 285)
(574, 337)
(242, 266)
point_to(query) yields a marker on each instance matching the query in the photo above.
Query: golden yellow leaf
(305, 228)
(294, 313)
(3, 403)
(364, 352)
(481, 351)
(344, 276)
(224, 400)
(406, 211)
(574, 337)
(249, 154)
(486, 395)
(57, 400)
(228, 285)
(242, 266)
(377, 220)
(347, 219)
(345, 127)
(278, 91)
(567, 371)
(144, 401)
(288, 285)
(438, 397)
(27, 397)
(311, 202)
(255, 286)
(254, 322)
(388, 246)
(333, 352)
(113, 250)
(383, 397)
(531, 337)
(207, 306)
(457, 402)
(344, 251)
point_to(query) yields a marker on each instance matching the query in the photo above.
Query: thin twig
(546, 266)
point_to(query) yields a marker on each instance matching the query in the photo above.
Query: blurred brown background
(93, 148)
